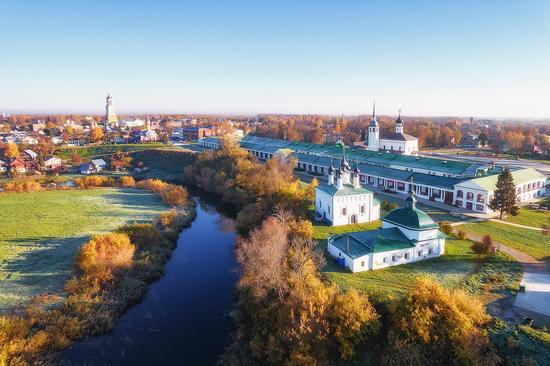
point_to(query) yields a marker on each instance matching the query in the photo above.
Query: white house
(397, 142)
(52, 163)
(342, 200)
(407, 235)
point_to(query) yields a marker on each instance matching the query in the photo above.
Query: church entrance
(353, 219)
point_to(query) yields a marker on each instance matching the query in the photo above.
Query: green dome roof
(410, 218)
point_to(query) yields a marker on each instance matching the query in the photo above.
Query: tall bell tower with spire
(110, 115)
(374, 132)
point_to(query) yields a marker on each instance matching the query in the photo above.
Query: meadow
(528, 241)
(101, 151)
(530, 217)
(42, 231)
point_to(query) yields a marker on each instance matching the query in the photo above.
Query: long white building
(468, 185)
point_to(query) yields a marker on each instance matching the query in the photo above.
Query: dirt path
(517, 225)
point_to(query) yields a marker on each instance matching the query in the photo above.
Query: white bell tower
(374, 132)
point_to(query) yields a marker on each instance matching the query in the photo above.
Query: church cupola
(356, 172)
(411, 200)
(331, 173)
(373, 142)
(339, 176)
(399, 124)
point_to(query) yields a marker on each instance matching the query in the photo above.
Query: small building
(51, 163)
(17, 165)
(407, 235)
(194, 133)
(342, 200)
(93, 167)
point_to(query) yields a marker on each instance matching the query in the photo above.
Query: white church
(342, 200)
(397, 142)
(407, 235)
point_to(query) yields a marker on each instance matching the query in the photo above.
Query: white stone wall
(352, 205)
(323, 205)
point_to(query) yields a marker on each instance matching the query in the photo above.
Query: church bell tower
(374, 132)
(110, 115)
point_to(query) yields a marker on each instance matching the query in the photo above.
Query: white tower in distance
(374, 132)
(110, 115)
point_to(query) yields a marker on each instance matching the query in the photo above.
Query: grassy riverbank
(42, 231)
(111, 272)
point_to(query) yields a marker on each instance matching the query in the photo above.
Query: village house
(52, 163)
(93, 167)
(17, 165)
(407, 235)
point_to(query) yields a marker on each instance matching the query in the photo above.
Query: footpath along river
(185, 317)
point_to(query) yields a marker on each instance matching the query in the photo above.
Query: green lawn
(530, 217)
(98, 151)
(528, 241)
(41, 232)
(322, 230)
(459, 267)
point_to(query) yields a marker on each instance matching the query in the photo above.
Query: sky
(477, 58)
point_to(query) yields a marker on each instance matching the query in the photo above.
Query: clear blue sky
(465, 58)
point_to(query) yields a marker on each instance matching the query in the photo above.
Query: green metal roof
(346, 190)
(489, 182)
(361, 243)
(410, 218)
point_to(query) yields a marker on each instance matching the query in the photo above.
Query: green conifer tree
(504, 199)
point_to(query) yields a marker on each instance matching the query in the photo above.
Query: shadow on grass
(42, 269)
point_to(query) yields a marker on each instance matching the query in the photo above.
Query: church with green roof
(407, 235)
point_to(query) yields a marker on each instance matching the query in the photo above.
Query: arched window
(362, 209)
(459, 193)
(344, 211)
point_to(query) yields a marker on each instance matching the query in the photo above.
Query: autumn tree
(504, 198)
(11, 150)
(96, 134)
(75, 158)
(485, 247)
(432, 325)
(121, 161)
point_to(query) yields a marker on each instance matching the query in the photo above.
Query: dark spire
(411, 200)
(398, 120)
(374, 109)
(330, 168)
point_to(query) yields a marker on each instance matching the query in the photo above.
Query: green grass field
(528, 241)
(530, 217)
(459, 267)
(98, 151)
(322, 230)
(41, 232)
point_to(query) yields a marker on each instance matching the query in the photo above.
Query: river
(185, 317)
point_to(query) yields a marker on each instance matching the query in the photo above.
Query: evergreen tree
(504, 199)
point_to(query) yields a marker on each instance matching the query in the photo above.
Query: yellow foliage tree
(11, 151)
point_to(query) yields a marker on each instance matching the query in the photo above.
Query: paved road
(521, 163)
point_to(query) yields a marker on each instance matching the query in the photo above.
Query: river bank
(185, 316)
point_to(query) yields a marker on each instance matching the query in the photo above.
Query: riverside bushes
(28, 186)
(171, 194)
(112, 273)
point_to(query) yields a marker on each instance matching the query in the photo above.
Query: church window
(430, 251)
(362, 263)
(459, 193)
(406, 255)
(419, 253)
(343, 211)
(393, 258)
(469, 196)
(320, 204)
(362, 209)
(384, 260)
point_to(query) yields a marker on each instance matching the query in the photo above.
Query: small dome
(356, 170)
(399, 120)
(410, 218)
(330, 170)
(373, 123)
